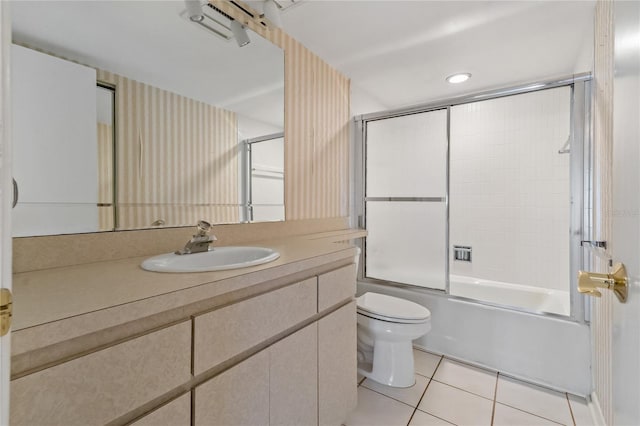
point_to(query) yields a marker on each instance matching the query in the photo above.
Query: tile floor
(449, 392)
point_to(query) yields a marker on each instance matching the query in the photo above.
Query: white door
(625, 239)
(5, 201)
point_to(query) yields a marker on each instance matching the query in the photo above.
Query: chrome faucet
(200, 242)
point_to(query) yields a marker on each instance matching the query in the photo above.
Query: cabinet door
(337, 364)
(239, 396)
(336, 286)
(55, 154)
(175, 413)
(99, 387)
(294, 379)
(228, 331)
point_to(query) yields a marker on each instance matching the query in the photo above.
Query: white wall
(509, 188)
(267, 180)
(55, 144)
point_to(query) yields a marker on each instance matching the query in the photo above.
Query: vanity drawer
(101, 386)
(336, 286)
(175, 413)
(228, 331)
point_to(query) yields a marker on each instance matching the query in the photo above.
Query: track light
(194, 10)
(272, 12)
(240, 33)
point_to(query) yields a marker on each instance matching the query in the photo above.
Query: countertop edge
(52, 333)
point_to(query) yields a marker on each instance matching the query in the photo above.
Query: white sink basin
(218, 259)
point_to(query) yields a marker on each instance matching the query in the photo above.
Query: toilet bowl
(386, 328)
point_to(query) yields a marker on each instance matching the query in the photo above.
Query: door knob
(590, 282)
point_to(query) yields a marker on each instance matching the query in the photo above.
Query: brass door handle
(590, 282)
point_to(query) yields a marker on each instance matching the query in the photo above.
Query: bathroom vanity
(109, 343)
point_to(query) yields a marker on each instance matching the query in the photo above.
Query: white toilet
(386, 328)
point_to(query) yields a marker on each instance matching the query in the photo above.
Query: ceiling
(149, 41)
(398, 53)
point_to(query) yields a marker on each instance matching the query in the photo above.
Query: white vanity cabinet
(100, 387)
(238, 396)
(306, 378)
(277, 386)
(174, 413)
(230, 330)
(293, 372)
(283, 356)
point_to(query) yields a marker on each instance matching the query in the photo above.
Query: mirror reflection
(175, 104)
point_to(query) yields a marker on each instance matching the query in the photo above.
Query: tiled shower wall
(602, 308)
(509, 188)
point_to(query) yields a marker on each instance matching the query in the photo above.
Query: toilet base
(392, 364)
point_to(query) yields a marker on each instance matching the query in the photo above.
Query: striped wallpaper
(602, 308)
(177, 158)
(316, 128)
(105, 177)
(157, 131)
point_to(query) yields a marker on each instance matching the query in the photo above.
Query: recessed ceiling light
(459, 78)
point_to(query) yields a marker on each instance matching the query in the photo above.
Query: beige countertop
(95, 296)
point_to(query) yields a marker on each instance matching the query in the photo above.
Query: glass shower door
(405, 199)
(510, 200)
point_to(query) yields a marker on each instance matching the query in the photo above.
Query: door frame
(6, 197)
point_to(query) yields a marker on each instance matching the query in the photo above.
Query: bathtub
(524, 297)
(552, 351)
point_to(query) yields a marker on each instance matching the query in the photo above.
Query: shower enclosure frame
(580, 182)
(245, 162)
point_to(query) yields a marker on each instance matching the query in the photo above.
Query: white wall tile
(509, 188)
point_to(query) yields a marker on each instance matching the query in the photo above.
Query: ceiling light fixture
(272, 12)
(458, 78)
(240, 33)
(194, 10)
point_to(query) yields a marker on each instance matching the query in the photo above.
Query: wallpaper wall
(316, 128)
(602, 308)
(158, 132)
(105, 177)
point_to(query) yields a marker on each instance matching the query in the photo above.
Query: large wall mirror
(128, 115)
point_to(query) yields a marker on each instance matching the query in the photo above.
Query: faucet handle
(203, 227)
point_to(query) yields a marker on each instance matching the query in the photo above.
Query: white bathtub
(525, 297)
(549, 350)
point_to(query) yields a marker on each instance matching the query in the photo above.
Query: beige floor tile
(420, 418)
(425, 363)
(534, 399)
(375, 409)
(360, 378)
(581, 412)
(472, 379)
(508, 416)
(455, 405)
(409, 396)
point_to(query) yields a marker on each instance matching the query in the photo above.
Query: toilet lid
(391, 307)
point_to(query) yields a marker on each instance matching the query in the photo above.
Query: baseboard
(596, 410)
